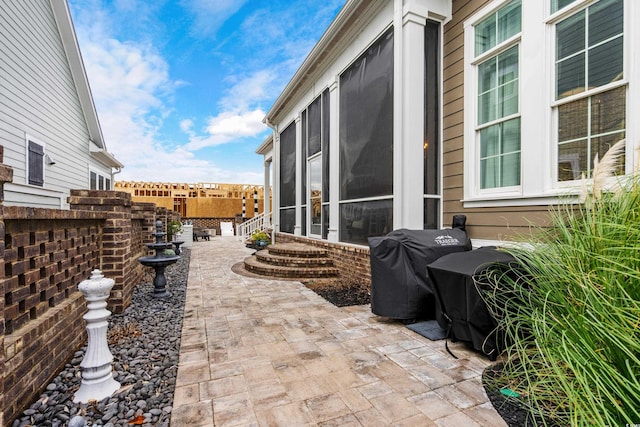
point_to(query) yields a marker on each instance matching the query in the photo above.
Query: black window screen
(325, 221)
(315, 126)
(36, 164)
(287, 220)
(366, 123)
(432, 112)
(325, 145)
(288, 166)
(361, 220)
(303, 226)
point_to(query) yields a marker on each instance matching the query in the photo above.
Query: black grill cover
(400, 288)
(458, 297)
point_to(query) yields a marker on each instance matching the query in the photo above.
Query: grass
(571, 313)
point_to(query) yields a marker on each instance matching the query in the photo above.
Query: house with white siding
(49, 127)
(408, 112)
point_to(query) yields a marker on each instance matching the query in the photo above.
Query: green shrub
(260, 236)
(575, 329)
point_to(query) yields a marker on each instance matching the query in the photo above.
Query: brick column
(146, 214)
(162, 215)
(117, 239)
(6, 175)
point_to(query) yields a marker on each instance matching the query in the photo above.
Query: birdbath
(159, 262)
(177, 244)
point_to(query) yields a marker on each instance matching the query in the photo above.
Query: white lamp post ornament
(97, 373)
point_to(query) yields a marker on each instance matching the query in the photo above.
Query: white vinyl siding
(39, 99)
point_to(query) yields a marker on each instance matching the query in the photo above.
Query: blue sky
(181, 86)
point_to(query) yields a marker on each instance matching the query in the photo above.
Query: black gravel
(145, 343)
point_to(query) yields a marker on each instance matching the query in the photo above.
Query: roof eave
(317, 54)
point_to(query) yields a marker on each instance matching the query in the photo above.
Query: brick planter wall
(352, 261)
(36, 353)
(46, 253)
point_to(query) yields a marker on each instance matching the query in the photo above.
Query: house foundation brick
(352, 261)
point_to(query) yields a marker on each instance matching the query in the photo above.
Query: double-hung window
(496, 64)
(590, 87)
(548, 87)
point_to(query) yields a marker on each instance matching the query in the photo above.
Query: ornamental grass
(571, 312)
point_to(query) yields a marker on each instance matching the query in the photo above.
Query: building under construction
(200, 200)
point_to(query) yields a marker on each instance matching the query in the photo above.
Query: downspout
(113, 181)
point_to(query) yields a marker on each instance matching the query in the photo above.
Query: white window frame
(472, 133)
(538, 125)
(316, 157)
(552, 21)
(98, 176)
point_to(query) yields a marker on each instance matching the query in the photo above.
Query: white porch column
(267, 191)
(276, 181)
(297, 230)
(408, 163)
(334, 165)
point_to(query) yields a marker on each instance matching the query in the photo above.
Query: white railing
(258, 223)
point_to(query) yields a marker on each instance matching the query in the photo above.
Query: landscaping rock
(145, 343)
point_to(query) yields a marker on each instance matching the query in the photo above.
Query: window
(589, 91)
(35, 164)
(553, 89)
(315, 149)
(431, 146)
(288, 178)
(101, 182)
(366, 144)
(498, 114)
(315, 196)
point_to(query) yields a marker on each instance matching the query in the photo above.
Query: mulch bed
(340, 293)
(514, 413)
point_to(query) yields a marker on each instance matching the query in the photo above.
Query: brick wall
(46, 253)
(2, 330)
(352, 261)
(38, 351)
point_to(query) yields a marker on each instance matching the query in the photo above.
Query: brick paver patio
(260, 352)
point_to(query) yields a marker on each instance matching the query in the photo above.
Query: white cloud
(186, 125)
(235, 125)
(249, 90)
(210, 15)
(227, 127)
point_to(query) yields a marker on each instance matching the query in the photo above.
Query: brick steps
(291, 260)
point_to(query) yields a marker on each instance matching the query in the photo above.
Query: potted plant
(174, 228)
(260, 239)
